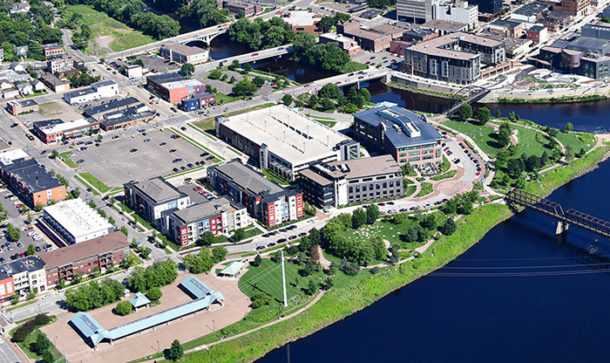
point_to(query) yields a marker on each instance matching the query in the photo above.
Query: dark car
(2, 260)
(204, 154)
(172, 150)
(260, 248)
(183, 128)
(177, 160)
(281, 240)
(292, 237)
(37, 248)
(133, 150)
(175, 170)
(190, 165)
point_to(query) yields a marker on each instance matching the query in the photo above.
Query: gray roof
(157, 189)
(103, 83)
(51, 122)
(28, 103)
(205, 210)
(532, 9)
(29, 264)
(110, 106)
(127, 118)
(395, 126)
(247, 178)
(537, 28)
(31, 173)
(165, 77)
(506, 23)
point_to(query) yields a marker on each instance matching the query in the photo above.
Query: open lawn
(528, 143)
(577, 140)
(49, 108)
(426, 188)
(25, 346)
(386, 230)
(108, 32)
(103, 188)
(483, 136)
(65, 157)
(353, 67)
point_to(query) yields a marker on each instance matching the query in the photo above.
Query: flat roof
(233, 268)
(80, 251)
(365, 34)
(287, 133)
(157, 189)
(447, 25)
(183, 49)
(7, 157)
(336, 37)
(364, 167)
(32, 174)
(165, 77)
(26, 264)
(77, 218)
(247, 178)
(205, 210)
(435, 46)
(319, 179)
(28, 103)
(114, 104)
(302, 18)
(66, 126)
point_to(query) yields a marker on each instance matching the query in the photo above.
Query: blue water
(516, 296)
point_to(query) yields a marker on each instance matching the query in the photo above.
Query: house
(39, 86)
(20, 8)
(10, 93)
(25, 89)
(21, 51)
(51, 51)
(17, 67)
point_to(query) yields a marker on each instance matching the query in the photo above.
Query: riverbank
(563, 99)
(366, 288)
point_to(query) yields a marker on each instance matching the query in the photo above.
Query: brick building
(32, 182)
(173, 87)
(181, 53)
(55, 130)
(237, 7)
(51, 51)
(19, 107)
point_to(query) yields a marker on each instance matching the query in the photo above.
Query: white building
(28, 274)
(98, 90)
(181, 53)
(25, 89)
(75, 221)
(20, 8)
(133, 71)
(459, 12)
(415, 11)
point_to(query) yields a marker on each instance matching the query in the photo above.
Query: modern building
(459, 11)
(488, 6)
(173, 87)
(98, 90)
(20, 107)
(55, 130)
(303, 21)
(415, 11)
(265, 200)
(95, 255)
(21, 276)
(54, 83)
(237, 7)
(74, 221)
(60, 65)
(154, 200)
(32, 182)
(352, 181)
(218, 216)
(51, 51)
(133, 71)
(538, 34)
(456, 57)
(346, 43)
(408, 137)
(180, 53)
(283, 140)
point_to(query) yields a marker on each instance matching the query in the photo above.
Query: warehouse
(75, 222)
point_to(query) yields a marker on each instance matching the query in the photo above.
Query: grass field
(527, 142)
(482, 135)
(65, 157)
(49, 108)
(577, 140)
(426, 188)
(447, 175)
(25, 346)
(386, 230)
(353, 67)
(117, 36)
(103, 188)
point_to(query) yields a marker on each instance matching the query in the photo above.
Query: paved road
(7, 354)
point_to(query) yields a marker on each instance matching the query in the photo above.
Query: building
(352, 181)
(74, 222)
(32, 182)
(25, 89)
(21, 276)
(347, 44)
(98, 112)
(10, 93)
(444, 27)
(283, 140)
(265, 200)
(538, 34)
(51, 51)
(198, 101)
(459, 11)
(134, 71)
(88, 257)
(7, 157)
(20, 107)
(98, 90)
(554, 20)
(573, 7)
(20, 8)
(488, 6)
(409, 138)
(55, 130)
(126, 117)
(303, 21)
(368, 40)
(506, 28)
(173, 87)
(39, 86)
(180, 53)
(414, 11)
(530, 12)
(418, 35)
(241, 7)
(218, 216)
(394, 31)
(154, 200)
(54, 83)
(456, 57)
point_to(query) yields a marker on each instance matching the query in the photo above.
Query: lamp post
(158, 348)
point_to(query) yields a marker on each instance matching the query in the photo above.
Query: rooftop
(438, 46)
(77, 218)
(365, 34)
(105, 83)
(28, 103)
(363, 167)
(165, 77)
(80, 251)
(505, 23)
(183, 49)
(445, 25)
(205, 210)
(301, 18)
(65, 126)
(92, 111)
(157, 190)
(247, 178)
(287, 133)
(532, 9)
(7, 157)
(26, 264)
(51, 46)
(233, 268)
(139, 300)
(537, 28)
(34, 175)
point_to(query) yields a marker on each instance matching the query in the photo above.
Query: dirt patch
(104, 42)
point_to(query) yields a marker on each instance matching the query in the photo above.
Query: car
(20, 206)
(258, 248)
(361, 77)
(21, 254)
(204, 154)
(307, 85)
(254, 54)
(173, 109)
(30, 137)
(115, 137)
(381, 204)
(2, 260)
(177, 160)
(280, 48)
(338, 82)
(183, 167)
(302, 234)
(209, 158)
(28, 228)
(174, 136)
(290, 228)
(89, 143)
(19, 244)
(183, 128)
(83, 148)
(133, 150)
(190, 165)
(14, 257)
(14, 124)
(367, 62)
(478, 173)
(197, 189)
(146, 140)
(151, 102)
(176, 170)
(281, 240)
(163, 143)
(172, 150)
(351, 74)
(271, 244)
(209, 197)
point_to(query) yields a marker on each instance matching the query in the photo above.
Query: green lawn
(271, 175)
(447, 175)
(103, 188)
(267, 278)
(482, 135)
(121, 36)
(577, 140)
(353, 67)
(410, 190)
(49, 108)
(25, 346)
(222, 98)
(527, 142)
(426, 188)
(386, 230)
(65, 156)
(207, 124)
(80, 179)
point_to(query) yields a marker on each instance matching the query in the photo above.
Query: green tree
(287, 99)
(569, 126)
(257, 261)
(311, 288)
(261, 299)
(247, 67)
(219, 253)
(31, 250)
(12, 232)
(258, 81)
(239, 234)
(498, 113)
(124, 230)
(327, 104)
(41, 344)
(123, 308)
(154, 294)
(483, 115)
(450, 207)
(381, 252)
(187, 69)
(215, 74)
(244, 88)
(465, 111)
(175, 351)
(449, 227)
(330, 90)
(47, 357)
(358, 218)
(372, 213)
(206, 239)
(569, 153)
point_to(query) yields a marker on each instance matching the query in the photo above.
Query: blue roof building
(408, 137)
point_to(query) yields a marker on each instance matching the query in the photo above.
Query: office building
(488, 6)
(303, 21)
(54, 83)
(283, 140)
(352, 181)
(265, 200)
(530, 12)
(409, 138)
(236, 7)
(98, 90)
(180, 53)
(74, 222)
(218, 216)
(506, 28)
(573, 7)
(538, 34)
(21, 276)
(154, 200)
(89, 257)
(55, 130)
(459, 12)
(51, 51)
(415, 11)
(368, 40)
(126, 117)
(20, 107)
(173, 87)
(32, 182)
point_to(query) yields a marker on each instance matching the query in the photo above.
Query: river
(516, 296)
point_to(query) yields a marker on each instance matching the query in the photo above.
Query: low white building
(98, 90)
(459, 12)
(25, 89)
(134, 71)
(75, 221)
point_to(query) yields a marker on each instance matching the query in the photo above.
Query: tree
(154, 294)
(206, 239)
(381, 252)
(428, 222)
(465, 111)
(327, 104)
(215, 74)
(124, 230)
(358, 218)
(12, 232)
(483, 115)
(544, 158)
(257, 261)
(54, 154)
(464, 206)
(326, 24)
(569, 152)
(47, 357)
(175, 351)
(330, 90)
(498, 113)
(31, 250)
(569, 126)
(311, 288)
(372, 213)
(187, 69)
(312, 101)
(450, 207)
(449, 227)
(315, 236)
(239, 234)
(512, 116)
(247, 67)
(260, 299)
(287, 99)
(200, 262)
(123, 308)
(244, 88)
(219, 253)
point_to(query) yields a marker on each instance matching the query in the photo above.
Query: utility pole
(284, 280)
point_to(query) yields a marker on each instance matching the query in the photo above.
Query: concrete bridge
(247, 58)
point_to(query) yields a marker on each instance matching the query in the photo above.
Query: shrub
(349, 268)
(261, 299)
(123, 308)
(41, 344)
(154, 294)
(24, 330)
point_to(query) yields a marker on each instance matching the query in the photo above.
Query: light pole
(158, 348)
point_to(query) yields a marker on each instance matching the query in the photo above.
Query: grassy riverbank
(562, 99)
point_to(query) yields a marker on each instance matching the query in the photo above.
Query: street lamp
(158, 349)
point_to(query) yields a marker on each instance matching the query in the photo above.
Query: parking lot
(137, 155)
(158, 64)
(51, 110)
(385, 58)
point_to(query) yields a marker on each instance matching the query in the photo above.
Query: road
(245, 58)
(7, 354)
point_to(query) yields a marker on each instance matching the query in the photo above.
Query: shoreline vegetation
(366, 288)
(562, 99)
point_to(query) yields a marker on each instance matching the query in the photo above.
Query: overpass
(472, 94)
(247, 58)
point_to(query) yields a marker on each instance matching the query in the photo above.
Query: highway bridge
(247, 58)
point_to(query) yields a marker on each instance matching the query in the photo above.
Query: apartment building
(459, 12)
(21, 276)
(51, 51)
(32, 182)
